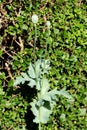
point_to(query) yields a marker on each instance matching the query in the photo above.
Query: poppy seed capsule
(48, 24)
(34, 18)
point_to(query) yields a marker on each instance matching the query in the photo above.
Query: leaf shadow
(28, 94)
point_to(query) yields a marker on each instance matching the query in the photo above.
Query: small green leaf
(9, 7)
(82, 111)
(1, 91)
(24, 27)
(63, 117)
(1, 52)
(10, 83)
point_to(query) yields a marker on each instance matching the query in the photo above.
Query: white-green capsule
(48, 24)
(34, 18)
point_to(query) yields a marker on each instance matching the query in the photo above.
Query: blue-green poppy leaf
(64, 93)
(31, 71)
(38, 85)
(44, 86)
(19, 80)
(32, 83)
(38, 68)
(25, 76)
(34, 108)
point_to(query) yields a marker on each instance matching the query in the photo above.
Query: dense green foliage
(67, 44)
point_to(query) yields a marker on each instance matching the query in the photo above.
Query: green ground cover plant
(67, 51)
